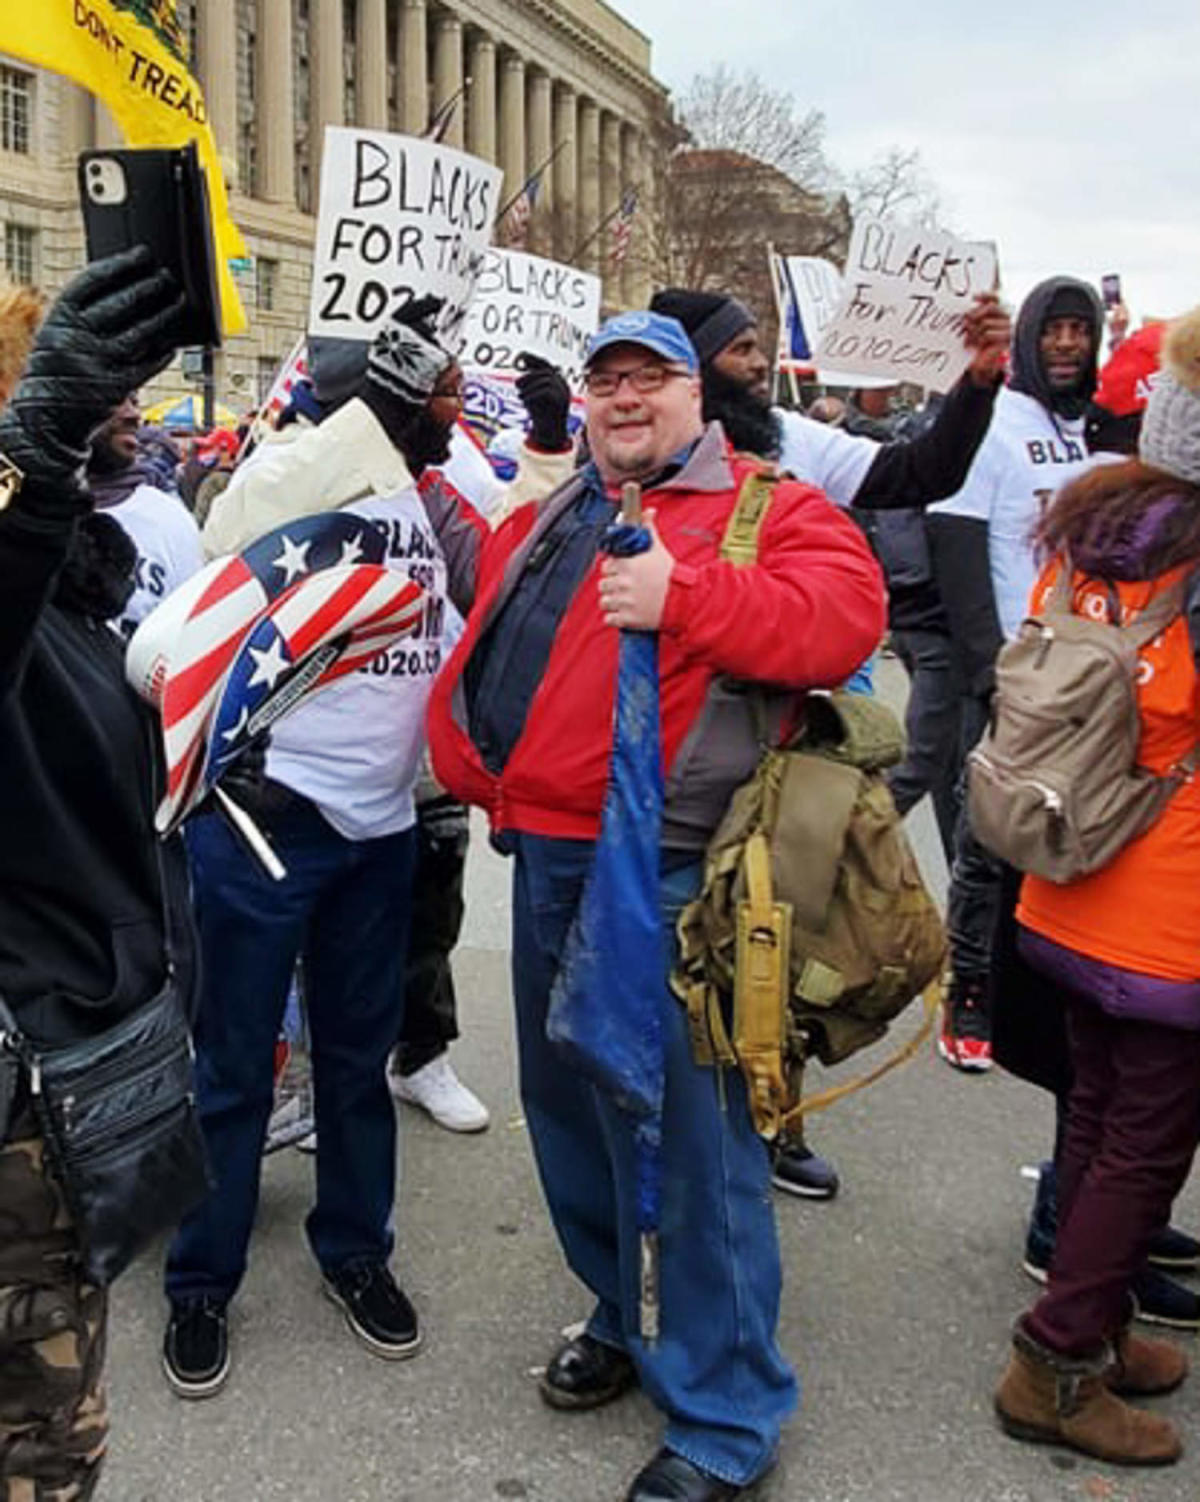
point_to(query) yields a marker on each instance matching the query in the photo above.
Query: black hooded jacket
(87, 894)
(1028, 372)
(959, 543)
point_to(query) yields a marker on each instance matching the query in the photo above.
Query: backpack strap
(1159, 613)
(739, 545)
(931, 1000)
(762, 980)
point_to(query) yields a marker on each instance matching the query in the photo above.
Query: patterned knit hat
(1170, 438)
(406, 364)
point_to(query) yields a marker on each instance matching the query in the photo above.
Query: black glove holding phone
(114, 327)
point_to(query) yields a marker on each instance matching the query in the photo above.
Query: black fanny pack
(118, 1118)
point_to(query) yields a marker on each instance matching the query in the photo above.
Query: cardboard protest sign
(400, 216)
(810, 289)
(904, 293)
(524, 302)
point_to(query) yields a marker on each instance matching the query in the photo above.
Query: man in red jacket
(521, 724)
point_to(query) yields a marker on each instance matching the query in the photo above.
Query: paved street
(897, 1304)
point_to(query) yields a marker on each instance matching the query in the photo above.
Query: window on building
(188, 15)
(349, 62)
(265, 368)
(16, 110)
(300, 102)
(247, 90)
(20, 252)
(266, 284)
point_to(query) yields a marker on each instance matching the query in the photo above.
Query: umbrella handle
(631, 503)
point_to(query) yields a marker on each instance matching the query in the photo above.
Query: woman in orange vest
(1122, 947)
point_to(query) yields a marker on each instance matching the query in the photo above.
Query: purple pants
(1133, 1122)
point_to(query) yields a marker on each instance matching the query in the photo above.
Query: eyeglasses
(456, 394)
(652, 376)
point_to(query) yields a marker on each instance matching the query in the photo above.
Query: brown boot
(1145, 1368)
(1052, 1399)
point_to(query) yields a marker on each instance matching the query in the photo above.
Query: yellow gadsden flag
(132, 55)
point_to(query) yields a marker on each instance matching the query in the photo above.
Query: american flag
(622, 230)
(294, 368)
(235, 593)
(520, 212)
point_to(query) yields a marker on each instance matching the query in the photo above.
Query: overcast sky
(1066, 130)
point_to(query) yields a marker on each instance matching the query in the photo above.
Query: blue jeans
(344, 905)
(716, 1370)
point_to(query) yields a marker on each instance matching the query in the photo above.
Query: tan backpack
(813, 929)
(1054, 787)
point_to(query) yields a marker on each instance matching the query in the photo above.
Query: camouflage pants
(53, 1418)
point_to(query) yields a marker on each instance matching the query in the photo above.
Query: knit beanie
(1070, 301)
(336, 367)
(710, 318)
(1170, 438)
(406, 364)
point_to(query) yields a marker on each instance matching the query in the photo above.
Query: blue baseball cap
(665, 337)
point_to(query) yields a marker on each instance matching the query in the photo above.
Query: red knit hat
(1126, 380)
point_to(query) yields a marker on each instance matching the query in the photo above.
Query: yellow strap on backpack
(739, 545)
(762, 982)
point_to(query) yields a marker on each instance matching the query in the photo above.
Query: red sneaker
(965, 1039)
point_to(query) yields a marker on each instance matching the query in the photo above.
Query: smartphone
(156, 197)
(1110, 290)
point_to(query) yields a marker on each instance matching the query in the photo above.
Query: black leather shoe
(670, 1478)
(585, 1373)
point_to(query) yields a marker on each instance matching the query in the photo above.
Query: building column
(216, 44)
(371, 55)
(482, 90)
(635, 284)
(566, 176)
(541, 144)
(275, 104)
(512, 124)
(610, 201)
(326, 71)
(448, 73)
(410, 55)
(78, 120)
(588, 145)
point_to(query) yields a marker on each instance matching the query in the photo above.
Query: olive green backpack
(813, 929)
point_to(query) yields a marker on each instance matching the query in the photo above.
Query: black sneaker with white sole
(376, 1308)
(196, 1347)
(796, 1169)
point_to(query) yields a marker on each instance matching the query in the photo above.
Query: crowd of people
(1036, 474)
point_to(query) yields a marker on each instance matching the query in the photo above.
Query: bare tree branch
(895, 185)
(723, 111)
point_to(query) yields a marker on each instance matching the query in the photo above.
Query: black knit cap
(1070, 301)
(710, 318)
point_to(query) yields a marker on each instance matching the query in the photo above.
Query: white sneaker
(437, 1089)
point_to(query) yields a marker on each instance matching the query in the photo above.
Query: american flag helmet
(184, 654)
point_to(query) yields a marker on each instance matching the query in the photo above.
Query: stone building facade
(532, 77)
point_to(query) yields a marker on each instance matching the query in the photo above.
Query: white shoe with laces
(438, 1090)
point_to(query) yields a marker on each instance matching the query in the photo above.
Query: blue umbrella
(604, 1007)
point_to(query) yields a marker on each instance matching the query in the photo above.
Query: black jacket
(897, 534)
(85, 885)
